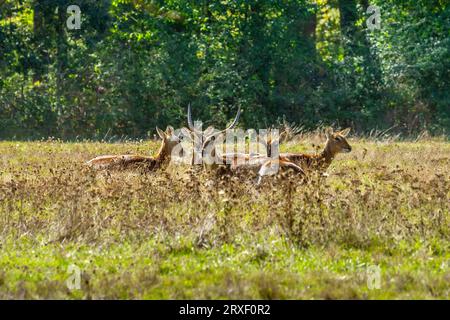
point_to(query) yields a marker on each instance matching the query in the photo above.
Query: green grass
(267, 270)
(170, 236)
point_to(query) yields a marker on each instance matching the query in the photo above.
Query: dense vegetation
(135, 64)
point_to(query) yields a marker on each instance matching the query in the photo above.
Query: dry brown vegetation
(169, 234)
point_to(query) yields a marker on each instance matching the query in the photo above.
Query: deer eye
(338, 138)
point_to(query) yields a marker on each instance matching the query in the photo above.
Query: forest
(93, 205)
(133, 65)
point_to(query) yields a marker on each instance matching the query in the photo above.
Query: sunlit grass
(192, 235)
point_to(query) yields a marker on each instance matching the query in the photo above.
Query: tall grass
(383, 195)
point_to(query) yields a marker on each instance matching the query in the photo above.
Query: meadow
(378, 227)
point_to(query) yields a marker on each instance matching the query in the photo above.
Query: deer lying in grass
(204, 142)
(234, 162)
(244, 163)
(300, 162)
(163, 156)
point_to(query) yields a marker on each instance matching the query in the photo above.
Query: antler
(189, 116)
(231, 126)
(290, 130)
(210, 134)
(235, 121)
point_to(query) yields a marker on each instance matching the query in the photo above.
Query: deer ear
(161, 133)
(329, 132)
(185, 131)
(170, 130)
(186, 134)
(344, 132)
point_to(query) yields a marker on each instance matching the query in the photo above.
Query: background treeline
(137, 64)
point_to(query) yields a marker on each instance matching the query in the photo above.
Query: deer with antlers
(205, 142)
(336, 143)
(169, 141)
(236, 162)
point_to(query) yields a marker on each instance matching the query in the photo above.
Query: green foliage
(136, 64)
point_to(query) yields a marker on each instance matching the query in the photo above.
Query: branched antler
(289, 131)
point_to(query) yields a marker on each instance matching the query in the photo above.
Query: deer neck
(210, 149)
(162, 154)
(327, 155)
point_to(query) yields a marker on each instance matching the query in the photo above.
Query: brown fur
(132, 161)
(336, 143)
(208, 139)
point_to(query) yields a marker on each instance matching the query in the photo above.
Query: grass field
(378, 227)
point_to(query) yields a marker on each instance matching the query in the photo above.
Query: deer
(204, 142)
(169, 141)
(234, 162)
(336, 143)
(230, 161)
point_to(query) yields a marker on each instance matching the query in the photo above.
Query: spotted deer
(204, 142)
(234, 162)
(336, 143)
(169, 141)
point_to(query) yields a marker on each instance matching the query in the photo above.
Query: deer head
(337, 142)
(208, 137)
(169, 141)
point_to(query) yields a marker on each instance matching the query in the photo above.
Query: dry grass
(182, 233)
